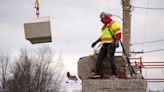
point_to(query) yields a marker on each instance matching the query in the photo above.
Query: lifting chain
(37, 7)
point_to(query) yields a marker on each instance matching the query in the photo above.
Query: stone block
(105, 91)
(38, 30)
(95, 85)
(105, 85)
(131, 84)
(118, 85)
(87, 64)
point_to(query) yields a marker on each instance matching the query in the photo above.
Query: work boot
(113, 77)
(94, 75)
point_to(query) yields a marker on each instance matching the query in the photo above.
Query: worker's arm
(115, 27)
(94, 43)
(98, 40)
(118, 37)
(117, 31)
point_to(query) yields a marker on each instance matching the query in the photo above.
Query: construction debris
(71, 77)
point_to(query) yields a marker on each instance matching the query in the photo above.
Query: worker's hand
(93, 44)
(116, 44)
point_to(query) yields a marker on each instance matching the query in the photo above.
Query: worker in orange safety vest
(110, 37)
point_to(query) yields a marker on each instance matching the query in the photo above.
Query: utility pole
(126, 25)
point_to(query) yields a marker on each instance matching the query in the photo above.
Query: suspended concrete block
(38, 30)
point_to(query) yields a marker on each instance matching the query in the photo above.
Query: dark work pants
(106, 50)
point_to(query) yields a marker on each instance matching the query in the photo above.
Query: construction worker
(110, 37)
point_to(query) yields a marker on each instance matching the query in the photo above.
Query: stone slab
(118, 85)
(38, 30)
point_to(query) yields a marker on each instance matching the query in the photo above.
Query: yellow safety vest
(106, 36)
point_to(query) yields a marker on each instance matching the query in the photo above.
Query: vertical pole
(126, 25)
(141, 64)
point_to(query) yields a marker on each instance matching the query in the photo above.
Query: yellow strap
(37, 7)
(36, 4)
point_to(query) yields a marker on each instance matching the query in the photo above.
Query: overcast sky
(75, 24)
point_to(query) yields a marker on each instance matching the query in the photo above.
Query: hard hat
(105, 17)
(104, 14)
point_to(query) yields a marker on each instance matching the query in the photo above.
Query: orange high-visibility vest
(106, 36)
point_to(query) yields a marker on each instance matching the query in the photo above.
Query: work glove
(93, 44)
(116, 44)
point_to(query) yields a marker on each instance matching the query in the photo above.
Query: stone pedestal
(118, 85)
(87, 64)
(38, 30)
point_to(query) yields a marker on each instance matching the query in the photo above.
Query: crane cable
(37, 7)
(133, 26)
(146, 25)
(153, 51)
(150, 8)
(146, 42)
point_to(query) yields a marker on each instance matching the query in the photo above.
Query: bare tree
(4, 59)
(35, 71)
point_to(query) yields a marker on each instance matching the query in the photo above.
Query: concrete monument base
(117, 85)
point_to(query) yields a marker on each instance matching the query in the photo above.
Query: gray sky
(75, 24)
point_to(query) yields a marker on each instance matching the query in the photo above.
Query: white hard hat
(104, 14)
